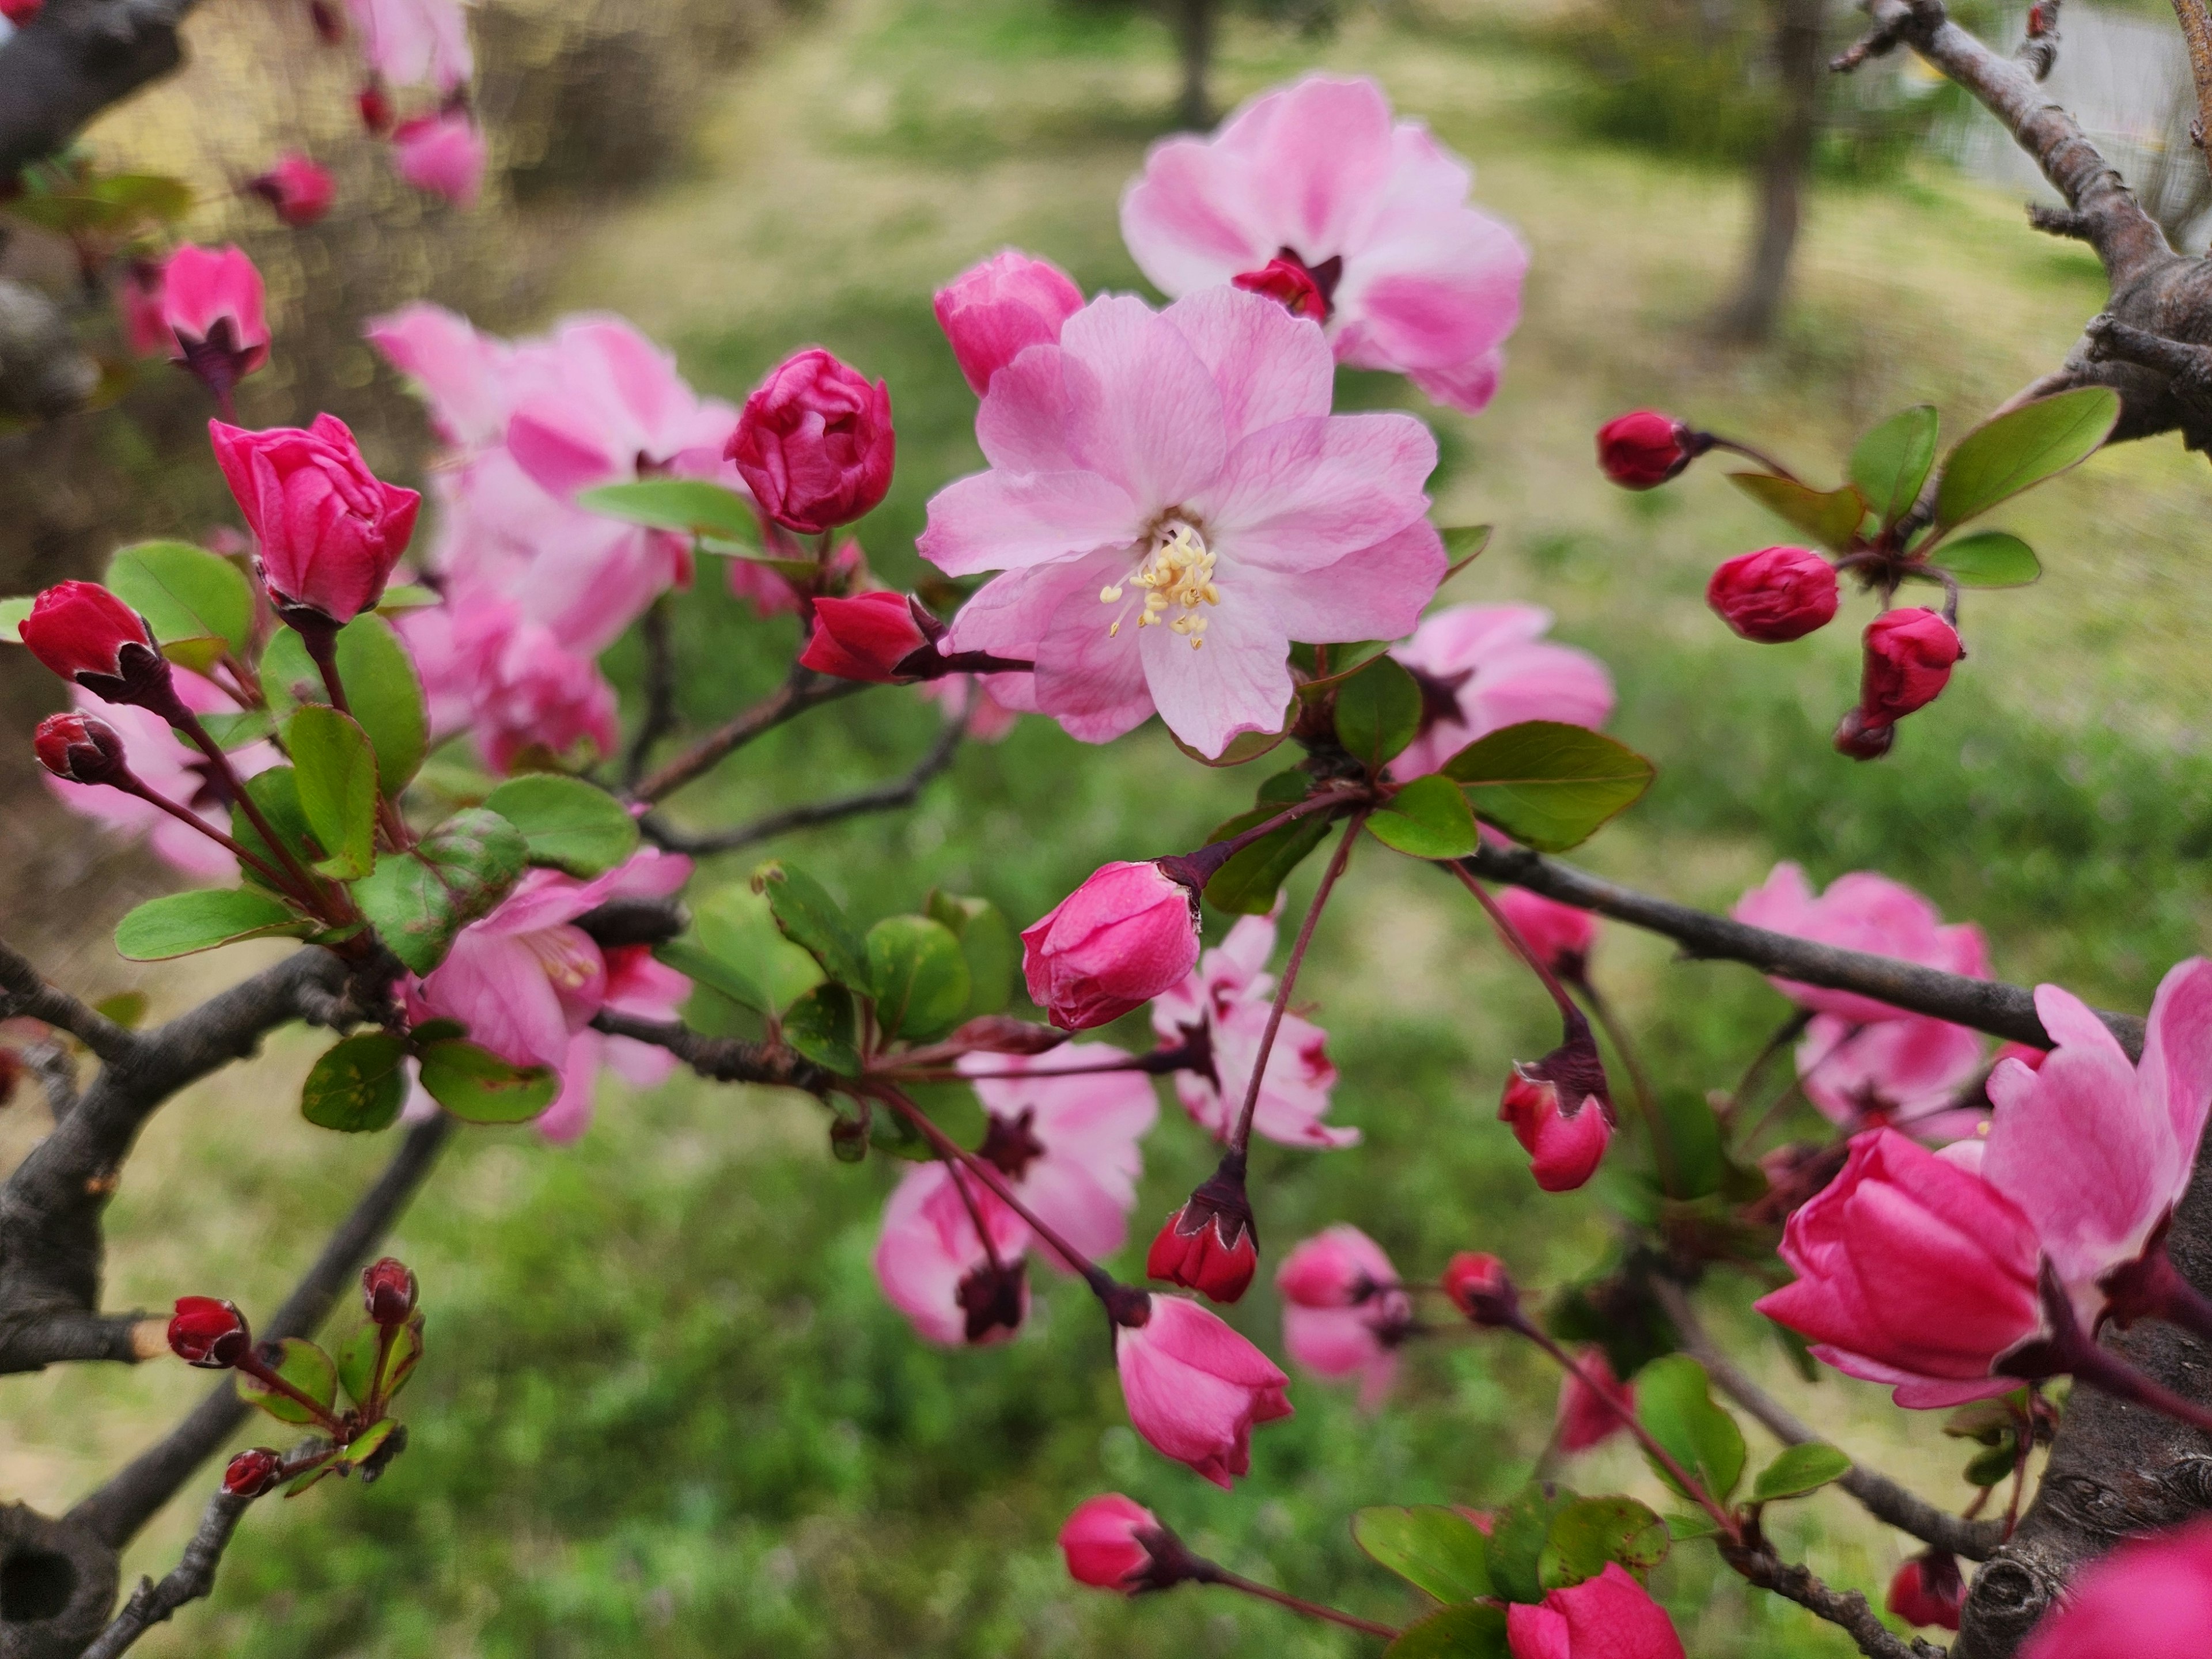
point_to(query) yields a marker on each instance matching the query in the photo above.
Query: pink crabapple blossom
(1561, 935)
(1927, 1591)
(1566, 1138)
(1643, 449)
(1103, 1541)
(442, 154)
(506, 681)
(1911, 1073)
(1344, 1314)
(1315, 179)
(414, 42)
(1774, 595)
(327, 530)
(815, 443)
(1608, 1617)
(1129, 934)
(1861, 911)
(138, 309)
(1481, 667)
(1196, 1389)
(213, 308)
(1172, 503)
(296, 188)
(968, 696)
(927, 1250)
(993, 312)
(2151, 1598)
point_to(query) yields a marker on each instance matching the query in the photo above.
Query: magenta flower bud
(300, 190)
(1643, 449)
(1290, 285)
(81, 748)
(2142, 1601)
(1332, 1269)
(374, 104)
(441, 154)
(1585, 1419)
(79, 628)
(1561, 935)
(1774, 595)
(19, 12)
(1909, 657)
(388, 1291)
(1861, 738)
(1195, 1388)
(1561, 1111)
(1480, 1288)
(1928, 1590)
(212, 304)
(865, 638)
(1125, 936)
(330, 530)
(1210, 1245)
(994, 311)
(252, 1473)
(1108, 1541)
(209, 1334)
(814, 443)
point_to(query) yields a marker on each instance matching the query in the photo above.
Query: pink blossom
(1861, 911)
(138, 304)
(1608, 1617)
(989, 719)
(1225, 1000)
(1129, 934)
(1561, 935)
(298, 190)
(635, 985)
(328, 529)
(506, 681)
(2095, 1151)
(993, 312)
(1104, 1542)
(1564, 1136)
(1182, 468)
(1585, 1417)
(441, 154)
(1375, 214)
(1484, 666)
(1912, 1271)
(1070, 1147)
(408, 42)
(1907, 1073)
(2149, 1598)
(212, 304)
(167, 765)
(927, 1250)
(1355, 1333)
(1195, 1388)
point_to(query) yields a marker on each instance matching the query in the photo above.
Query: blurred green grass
(666, 1410)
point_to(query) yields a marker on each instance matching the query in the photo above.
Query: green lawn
(664, 1409)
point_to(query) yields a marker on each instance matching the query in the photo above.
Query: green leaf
(734, 925)
(1591, 1531)
(236, 731)
(989, 943)
(312, 1476)
(381, 687)
(1463, 545)
(692, 505)
(1992, 1465)
(12, 612)
(358, 1085)
(1830, 517)
(822, 1026)
(2021, 448)
(180, 923)
(335, 772)
(1518, 1532)
(1474, 1631)
(1989, 558)
(418, 901)
(1549, 784)
(810, 918)
(308, 1369)
(1434, 1548)
(691, 958)
(568, 824)
(185, 592)
(1429, 818)
(476, 1084)
(1685, 1525)
(1378, 712)
(408, 596)
(1248, 883)
(1675, 1406)
(127, 1008)
(366, 1445)
(1798, 1470)
(357, 1359)
(1890, 462)
(276, 792)
(920, 977)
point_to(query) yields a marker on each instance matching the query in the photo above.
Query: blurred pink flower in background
(1584, 1419)
(1070, 1147)
(1343, 1314)
(2151, 1598)
(928, 1247)
(1483, 666)
(505, 681)
(1861, 911)
(442, 154)
(969, 695)
(1608, 1617)
(993, 312)
(1905, 1073)
(412, 42)
(1373, 214)
(1561, 935)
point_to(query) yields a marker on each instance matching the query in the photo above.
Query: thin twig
(192, 1577)
(24, 994)
(659, 690)
(721, 1059)
(1845, 1608)
(801, 690)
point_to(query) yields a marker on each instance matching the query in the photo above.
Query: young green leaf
(1475, 1629)
(308, 1369)
(1378, 712)
(276, 792)
(691, 958)
(810, 917)
(1989, 558)
(1830, 517)
(179, 924)
(1675, 1406)
(1890, 462)
(1432, 1547)
(185, 592)
(357, 1087)
(381, 687)
(365, 1445)
(1549, 784)
(1798, 1470)
(1429, 818)
(691, 505)
(418, 901)
(335, 772)
(988, 941)
(822, 1025)
(236, 731)
(2021, 448)
(1463, 545)
(1591, 1531)
(920, 977)
(12, 612)
(476, 1085)
(1685, 1525)
(1248, 883)
(1519, 1530)
(569, 825)
(127, 1008)
(356, 1359)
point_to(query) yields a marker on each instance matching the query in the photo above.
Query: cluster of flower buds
(814, 443)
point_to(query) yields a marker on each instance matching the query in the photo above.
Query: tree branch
(73, 60)
(2196, 31)
(660, 716)
(25, 995)
(1846, 1608)
(801, 690)
(1881, 1497)
(192, 1577)
(722, 1060)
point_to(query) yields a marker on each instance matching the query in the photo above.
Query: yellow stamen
(1176, 576)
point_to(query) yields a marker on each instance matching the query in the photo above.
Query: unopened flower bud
(1561, 935)
(375, 105)
(1560, 1110)
(209, 1334)
(19, 12)
(814, 443)
(867, 637)
(1113, 1542)
(1210, 1245)
(79, 749)
(1929, 1589)
(252, 1473)
(77, 628)
(994, 311)
(330, 530)
(1643, 449)
(442, 154)
(300, 190)
(1774, 595)
(1329, 1270)
(388, 1291)
(1862, 739)
(1125, 935)
(213, 302)
(1289, 283)
(1909, 657)
(1480, 1288)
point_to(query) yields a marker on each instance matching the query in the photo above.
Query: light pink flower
(1195, 1388)
(1182, 468)
(1375, 214)
(463, 374)
(1069, 1147)
(635, 985)
(927, 1248)
(2095, 1151)
(442, 154)
(1584, 1419)
(1484, 666)
(167, 766)
(1608, 1617)
(989, 719)
(992, 312)
(2149, 1598)
(505, 681)
(1355, 1333)
(1906, 1074)
(408, 42)
(1861, 911)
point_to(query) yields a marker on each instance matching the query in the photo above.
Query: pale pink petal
(495, 986)
(1143, 410)
(1007, 521)
(1270, 366)
(1376, 594)
(2176, 1062)
(1306, 493)
(1239, 680)
(1022, 424)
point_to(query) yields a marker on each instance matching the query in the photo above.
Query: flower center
(1177, 577)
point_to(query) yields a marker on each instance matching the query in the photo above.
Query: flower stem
(1647, 1102)
(253, 1366)
(303, 882)
(1751, 454)
(186, 815)
(1243, 1137)
(1520, 946)
(1195, 869)
(1210, 1573)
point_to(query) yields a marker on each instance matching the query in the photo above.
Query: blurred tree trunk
(1750, 315)
(1194, 28)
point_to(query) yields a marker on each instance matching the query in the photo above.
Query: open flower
(1070, 1147)
(505, 680)
(1195, 1388)
(1223, 1005)
(1911, 1073)
(932, 1264)
(1173, 504)
(408, 42)
(1311, 193)
(1343, 1313)
(1861, 911)
(1483, 666)
(2149, 1598)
